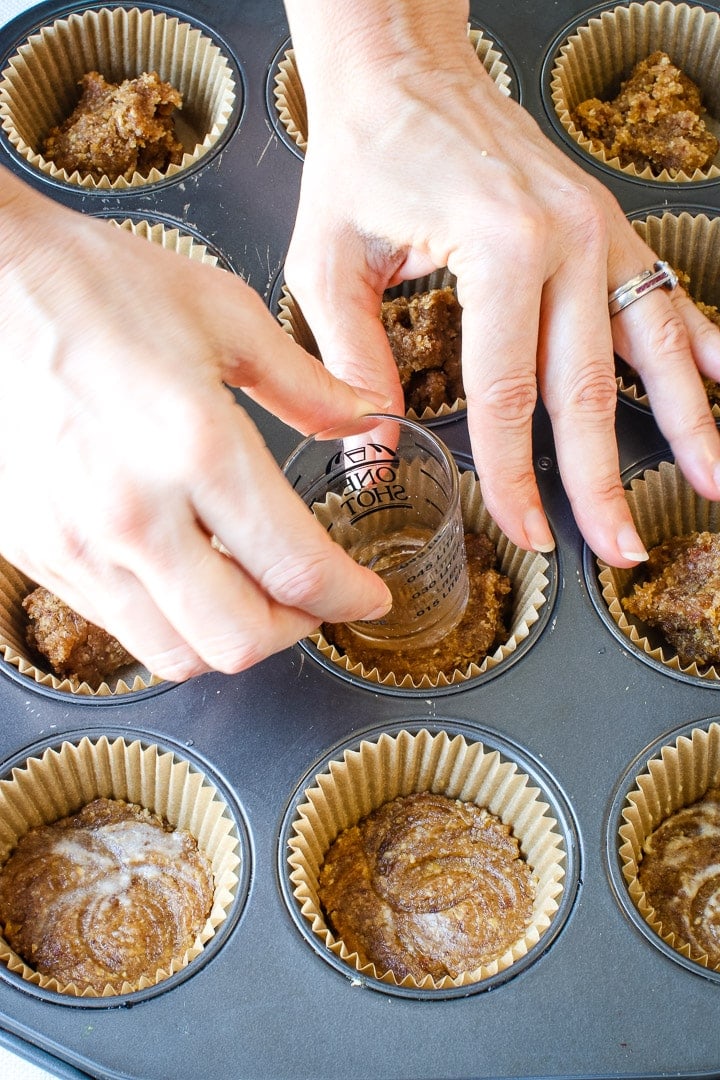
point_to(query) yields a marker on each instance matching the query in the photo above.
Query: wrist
(369, 45)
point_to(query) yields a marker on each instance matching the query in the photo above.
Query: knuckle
(606, 491)
(527, 236)
(297, 580)
(669, 338)
(511, 400)
(243, 652)
(126, 518)
(592, 391)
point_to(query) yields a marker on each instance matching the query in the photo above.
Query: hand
(122, 453)
(416, 161)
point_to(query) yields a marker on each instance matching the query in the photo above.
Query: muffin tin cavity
(674, 772)
(448, 758)
(291, 318)
(663, 505)
(57, 777)
(534, 586)
(39, 84)
(591, 57)
(20, 662)
(174, 236)
(285, 97)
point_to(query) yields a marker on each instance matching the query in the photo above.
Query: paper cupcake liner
(39, 85)
(289, 94)
(680, 775)
(690, 243)
(63, 780)
(599, 55)
(295, 324)
(663, 504)
(378, 772)
(530, 587)
(168, 237)
(14, 649)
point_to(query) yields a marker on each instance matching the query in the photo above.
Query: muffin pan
(577, 708)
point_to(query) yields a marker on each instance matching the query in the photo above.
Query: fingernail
(538, 532)
(380, 610)
(376, 398)
(630, 545)
(716, 476)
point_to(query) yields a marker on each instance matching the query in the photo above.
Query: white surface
(11, 1066)
(15, 1068)
(8, 10)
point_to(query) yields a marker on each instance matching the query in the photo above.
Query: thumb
(285, 379)
(342, 307)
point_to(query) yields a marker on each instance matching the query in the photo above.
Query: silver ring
(661, 274)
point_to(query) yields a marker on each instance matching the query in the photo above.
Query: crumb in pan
(654, 122)
(481, 629)
(118, 129)
(427, 885)
(75, 648)
(680, 595)
(425, 337)
(104, 897)
(678, 873)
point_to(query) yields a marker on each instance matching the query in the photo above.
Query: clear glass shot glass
(390, 495)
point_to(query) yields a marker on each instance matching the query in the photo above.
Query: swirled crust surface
(680, 874)
(105, 896)
(427, 885)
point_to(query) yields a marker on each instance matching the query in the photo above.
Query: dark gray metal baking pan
(602, 1001)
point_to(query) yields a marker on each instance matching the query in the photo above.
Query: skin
(431, 166)
(122, 453)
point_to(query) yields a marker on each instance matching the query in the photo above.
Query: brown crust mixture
(108, 895)
(481, 629)
(427, 885)
(678, 873)
(118, 129)
(425, 338)
(655, 121)
(74, 648)
(681, 596)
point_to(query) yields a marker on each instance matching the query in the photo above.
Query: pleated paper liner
(381, 770)
(294, 323)
(39, 86)
(599, 55)
(663, 505)
(680, 774)
(690, 242)
(15, 651)
(530, 592)
(169, 237)
(65, 778)
(289, 95)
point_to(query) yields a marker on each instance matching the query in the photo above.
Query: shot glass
(390, 495)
